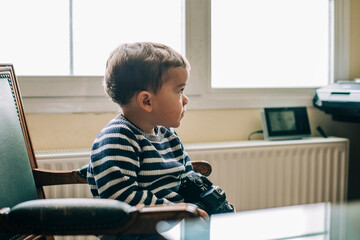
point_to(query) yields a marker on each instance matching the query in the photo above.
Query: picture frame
(285, 123)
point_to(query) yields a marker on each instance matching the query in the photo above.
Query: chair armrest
(149, 217)
(44, 177)
(81, 216)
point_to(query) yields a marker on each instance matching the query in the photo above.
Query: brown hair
(136, 67)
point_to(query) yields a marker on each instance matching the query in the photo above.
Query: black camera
(197, 189)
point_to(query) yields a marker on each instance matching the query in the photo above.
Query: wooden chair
(24, 211)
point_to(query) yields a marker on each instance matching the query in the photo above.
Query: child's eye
(181, 91)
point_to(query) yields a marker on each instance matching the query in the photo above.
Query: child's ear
(144, 100)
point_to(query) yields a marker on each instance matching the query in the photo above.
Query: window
(100, 25)
(34, 34)
(277, 43)
(63, 45)
(75, 37)
(215, 95)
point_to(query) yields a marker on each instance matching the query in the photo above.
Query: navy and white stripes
(135, 167)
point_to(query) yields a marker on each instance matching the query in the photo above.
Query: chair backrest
(16, 153)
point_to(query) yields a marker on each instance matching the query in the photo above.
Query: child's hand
(203, 215)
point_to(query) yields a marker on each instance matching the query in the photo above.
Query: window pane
(277, 43)
(35, 36)
(101, 25)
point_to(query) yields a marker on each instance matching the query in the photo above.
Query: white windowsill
(86, 94)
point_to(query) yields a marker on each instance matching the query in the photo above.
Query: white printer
(341, 100)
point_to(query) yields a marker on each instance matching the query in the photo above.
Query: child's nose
(185, 100)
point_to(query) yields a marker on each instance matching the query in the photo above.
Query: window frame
(76, 94)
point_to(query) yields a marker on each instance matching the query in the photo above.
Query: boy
(137, 157)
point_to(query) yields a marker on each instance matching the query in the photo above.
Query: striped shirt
(132, 166)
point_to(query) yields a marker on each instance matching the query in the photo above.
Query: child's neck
(139, 120)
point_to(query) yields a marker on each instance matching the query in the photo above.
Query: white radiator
(263, 174)
(64, 160)
(254, 174)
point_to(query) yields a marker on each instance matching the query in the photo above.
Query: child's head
(136, 67)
